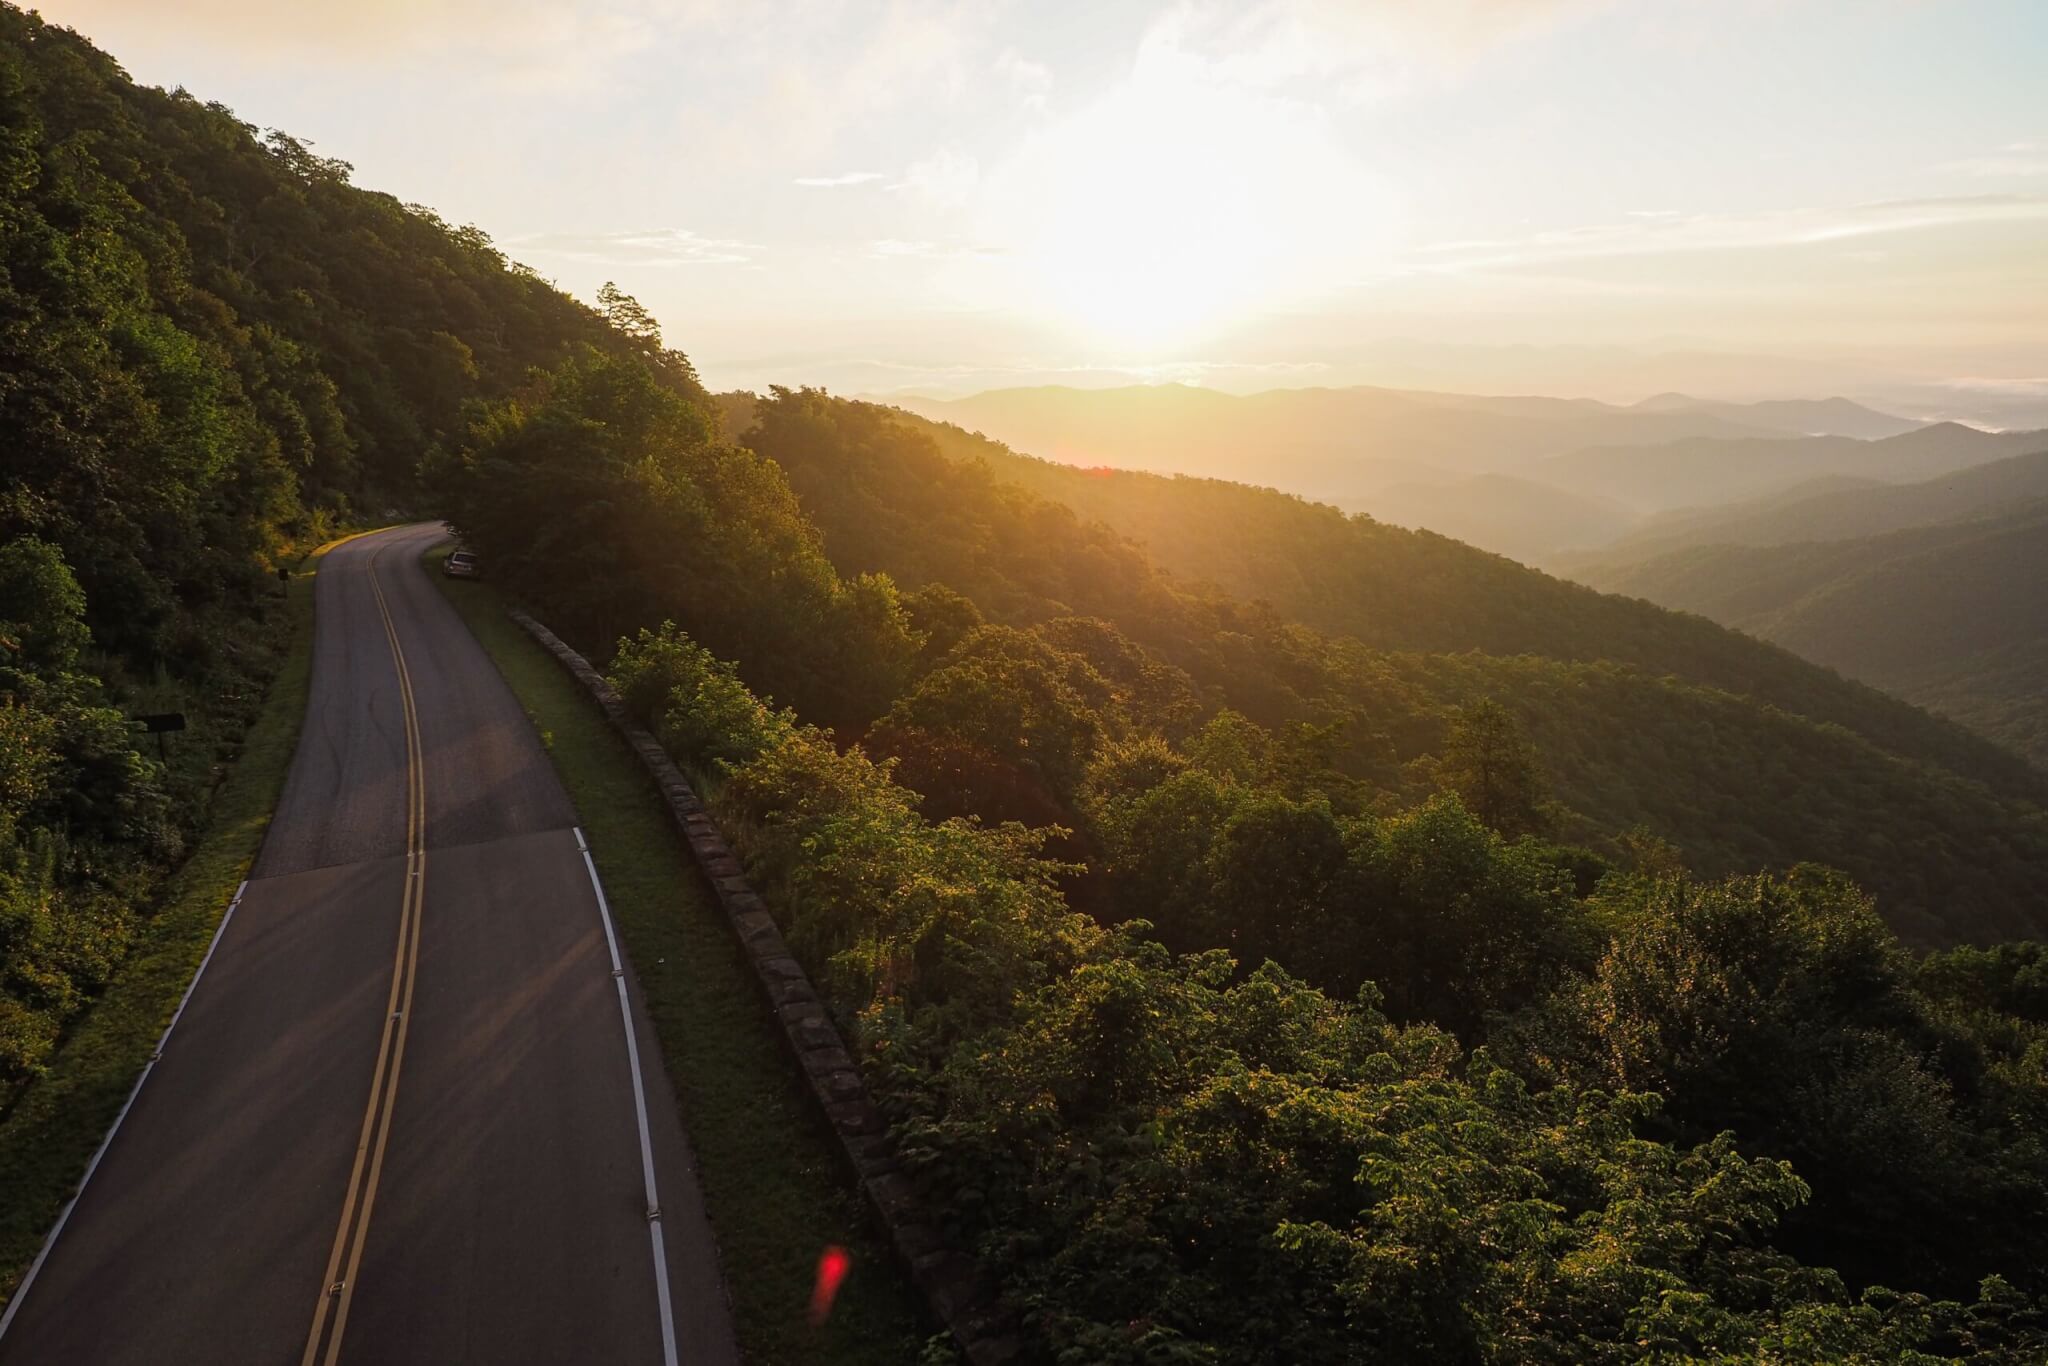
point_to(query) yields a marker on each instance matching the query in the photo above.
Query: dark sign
(161, 722)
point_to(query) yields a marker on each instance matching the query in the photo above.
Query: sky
(1744, 198)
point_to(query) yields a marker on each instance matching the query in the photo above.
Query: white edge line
(604, 911)
(64, 1216)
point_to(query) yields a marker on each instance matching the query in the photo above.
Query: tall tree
(628, 314)
(1492, 768)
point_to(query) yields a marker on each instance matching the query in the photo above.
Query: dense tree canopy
(1694, 1101)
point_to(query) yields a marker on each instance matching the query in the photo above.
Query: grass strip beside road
(58, 1120)
(773, 1180)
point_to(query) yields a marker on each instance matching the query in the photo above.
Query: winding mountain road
(399, 1120)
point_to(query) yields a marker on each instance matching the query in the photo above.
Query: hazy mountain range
(1796, 416)
(1831, 508)
(1902, 554)
(1331, 444)
(1530, 477)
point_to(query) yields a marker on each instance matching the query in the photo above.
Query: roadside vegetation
(772, 1177)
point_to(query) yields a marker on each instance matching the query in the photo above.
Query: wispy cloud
(833, 182)
(1669, 233)
(2007, 167)
(901, 248)
(1361, 51)
(2016, 388)
(2014, 161)
(657, 247)
(1032, 81)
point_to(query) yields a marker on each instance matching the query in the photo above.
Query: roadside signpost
(160, 725)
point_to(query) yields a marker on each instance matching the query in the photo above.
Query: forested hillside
(1472, 1107)
(1519, 518)
(1651, 718)
(1945, 616)
(1402, 590)
(212, 351)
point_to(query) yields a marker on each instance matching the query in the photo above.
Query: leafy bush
(695, 701)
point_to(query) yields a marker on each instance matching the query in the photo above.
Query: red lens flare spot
(833, 1264)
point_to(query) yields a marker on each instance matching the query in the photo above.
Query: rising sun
(1177, 206)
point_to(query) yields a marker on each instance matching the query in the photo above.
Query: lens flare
(833, 1264)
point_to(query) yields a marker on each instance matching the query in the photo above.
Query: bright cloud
(658, 247)
(1363, 50)
(1661, 232)
(2007, 167)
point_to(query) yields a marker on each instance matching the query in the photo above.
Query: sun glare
(1178, 205)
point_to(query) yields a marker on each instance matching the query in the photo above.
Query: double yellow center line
(339, 1284)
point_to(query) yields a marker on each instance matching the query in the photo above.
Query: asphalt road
(397, 1121)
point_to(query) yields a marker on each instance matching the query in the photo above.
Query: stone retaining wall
(960, 1294)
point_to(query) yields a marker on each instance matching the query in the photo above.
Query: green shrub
(694, 701)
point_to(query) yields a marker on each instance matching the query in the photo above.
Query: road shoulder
(770, 1174)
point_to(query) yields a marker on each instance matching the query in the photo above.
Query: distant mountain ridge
(1831, 509)
(1796, 416)
(1328, 443)
(1708, 470)
(1529, 476)
(1950, 616)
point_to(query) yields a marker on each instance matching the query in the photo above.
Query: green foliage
(938, 922)
(2007, 978)
(1039, 1066)
(1783, 1009)
(1455, 924)
(1168, 1160)
(78, 809)
(695, 700)
(600, 494)
(1012, 696)
(42, 608)
(1492, 768)
(1735, 787)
